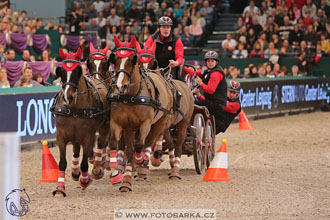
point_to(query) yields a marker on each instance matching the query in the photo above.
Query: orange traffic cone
(49, 165)
(219, 165)
(244, 123)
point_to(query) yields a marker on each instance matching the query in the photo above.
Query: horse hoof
(86, 184)
(140, 177)
(125, 187)
(116, 179)
(174, 177)
(75, 177)
(156, 162)
(143, 170)
(59, 191)
(97, 175)
(174, 174)
(91, 160)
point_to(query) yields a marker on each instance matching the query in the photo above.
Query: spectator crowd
(124, 18)
(269, 29)
(273, 29)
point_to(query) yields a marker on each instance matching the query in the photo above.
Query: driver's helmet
(165, 21)
(211, 55)
(234, 86)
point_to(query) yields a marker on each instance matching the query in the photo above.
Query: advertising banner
(28, 114)
(272, 96)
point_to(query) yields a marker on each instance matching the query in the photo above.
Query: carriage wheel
(209, 141)
(198, 145)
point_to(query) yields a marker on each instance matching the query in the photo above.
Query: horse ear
(138, 47)
(62, 54)
(78, 54)
(91, 47)
(112, 58)
(116, 40)
(59, 71)
(105, 50)
(133, 42)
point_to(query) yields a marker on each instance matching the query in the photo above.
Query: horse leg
(126, 185)
(140, 158)
(75, 162)
(91, 154)
(104, 141)
(157, 133)
(181, 135)
(99, 160)
(157, 156)
(85, 179)
(115, 176)
(125, 140)
(60, 189)
(169, 145)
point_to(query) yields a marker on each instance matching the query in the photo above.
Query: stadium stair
(223, 25)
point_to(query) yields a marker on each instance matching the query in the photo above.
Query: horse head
(97, 62)
(146, 56)
(70, 72)
(124, 58)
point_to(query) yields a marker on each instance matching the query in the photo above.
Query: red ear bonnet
(120, 46)
(70, 60)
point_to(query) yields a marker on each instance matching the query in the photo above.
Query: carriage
(200, 138)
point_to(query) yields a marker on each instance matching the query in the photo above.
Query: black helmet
(211, 55)
(165, 21)
(234, 86)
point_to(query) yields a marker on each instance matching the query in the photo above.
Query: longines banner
(28, 113)
(271, 96)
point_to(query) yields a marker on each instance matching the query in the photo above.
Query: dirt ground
(279, 170)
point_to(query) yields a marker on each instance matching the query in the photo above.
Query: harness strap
(137, 100)
(125, 71)
(76, 113)
(70, 84)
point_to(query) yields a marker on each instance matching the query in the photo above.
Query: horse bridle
(123, 70)
(69, 60)
(97, 72)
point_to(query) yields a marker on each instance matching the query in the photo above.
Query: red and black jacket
(220, 93)
(233, 108)
(170, 48)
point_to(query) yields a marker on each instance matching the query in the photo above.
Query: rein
(64, 110)
(137, 99)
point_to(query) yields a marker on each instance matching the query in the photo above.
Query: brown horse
(140, 103)
(178, 121)
(98, 66)
(79, 108)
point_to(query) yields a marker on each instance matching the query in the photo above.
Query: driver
(169, 48)
(214, 87)
(233, 107)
